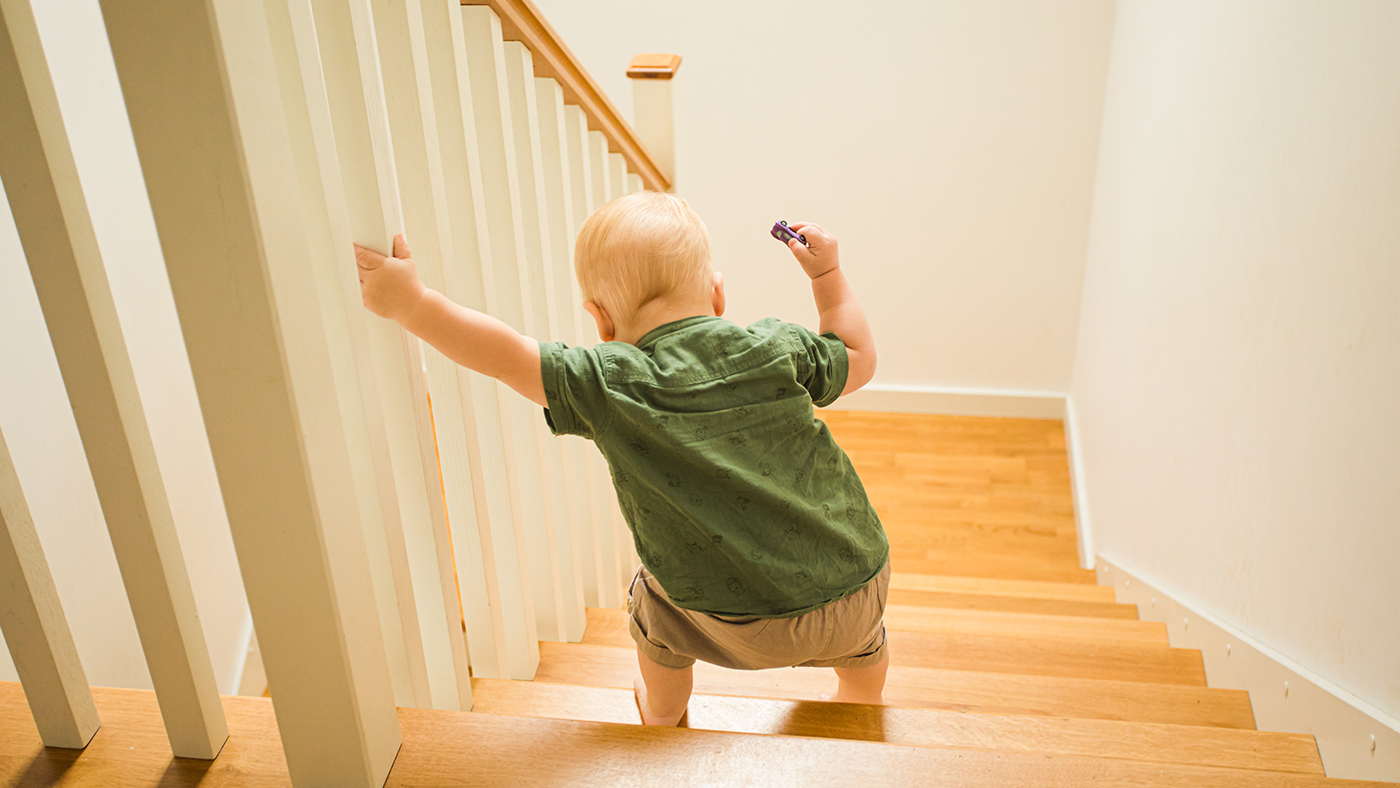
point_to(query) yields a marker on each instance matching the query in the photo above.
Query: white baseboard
(1077, 485)
(1356, 740)
(956, 401)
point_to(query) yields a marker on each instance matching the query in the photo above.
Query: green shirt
(738, 499)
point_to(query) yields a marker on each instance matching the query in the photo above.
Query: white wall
(34, 406)
(949, 144)
(1237, 385)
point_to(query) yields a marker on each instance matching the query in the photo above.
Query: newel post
(651, 107)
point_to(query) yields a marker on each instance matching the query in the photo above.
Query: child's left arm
(391, 288)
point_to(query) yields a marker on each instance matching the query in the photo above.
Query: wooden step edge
(1000, 654)
(1132, 741)
(1040, 589)
(950, 690)
(1077, 627)
(1029, 625)
(961, 600)
(442, 747)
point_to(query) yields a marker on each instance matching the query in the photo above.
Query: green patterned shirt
(738, 499)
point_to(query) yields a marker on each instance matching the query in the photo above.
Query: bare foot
(639, 689)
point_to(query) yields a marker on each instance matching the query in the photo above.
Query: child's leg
(863, 685)
(663, 693)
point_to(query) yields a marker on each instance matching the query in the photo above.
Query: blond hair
(641, 248)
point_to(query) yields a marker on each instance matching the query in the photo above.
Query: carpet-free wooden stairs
(1008, 668)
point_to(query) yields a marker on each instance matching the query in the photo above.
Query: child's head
(641, 249)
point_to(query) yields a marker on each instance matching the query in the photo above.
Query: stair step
(993, 654)
(1010, 604)
(443, 748)
(1136, 741)
(954, 690)
(1108, 631)
(1069, 592)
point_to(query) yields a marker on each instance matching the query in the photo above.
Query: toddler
(759, 547)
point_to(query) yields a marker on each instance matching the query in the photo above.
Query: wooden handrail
(522, 21)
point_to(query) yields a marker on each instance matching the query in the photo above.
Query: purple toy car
(783, 233)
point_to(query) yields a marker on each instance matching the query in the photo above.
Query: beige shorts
(847, 633)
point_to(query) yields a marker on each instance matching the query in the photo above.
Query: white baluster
(109, 313)
(624, 544)
(604, 496)
(293, 35)
(570, 493)
(399, 34)
(580, 198)
(492, 566)
(212, 134)
(486, 64)
(35, 629)
(634, 183)
(549, 571)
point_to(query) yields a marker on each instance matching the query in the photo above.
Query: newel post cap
(654, 66)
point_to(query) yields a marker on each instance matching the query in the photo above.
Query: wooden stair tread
(1026, 625)
(1010, 604)
(443, 748)
(1070, 592)
(993, 654)
(1149, 742)
(1045, 696)
(1108, 632)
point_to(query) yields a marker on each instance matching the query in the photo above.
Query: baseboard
(1077, 485)
(1356, 740)
(956, 401)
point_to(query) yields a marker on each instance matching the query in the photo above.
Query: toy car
(783, 233)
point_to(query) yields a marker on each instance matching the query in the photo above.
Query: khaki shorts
(847, 633)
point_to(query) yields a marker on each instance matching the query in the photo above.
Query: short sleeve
(823, 365)
(576, 401)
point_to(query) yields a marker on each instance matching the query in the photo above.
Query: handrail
(521, 21)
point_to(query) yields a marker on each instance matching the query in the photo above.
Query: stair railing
(401, 524)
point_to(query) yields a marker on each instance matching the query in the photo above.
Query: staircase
(1009, 667)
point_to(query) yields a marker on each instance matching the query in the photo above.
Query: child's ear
(607, 331)
(717, 294)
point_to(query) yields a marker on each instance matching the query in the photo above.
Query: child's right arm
(838, 310)
(391, 288)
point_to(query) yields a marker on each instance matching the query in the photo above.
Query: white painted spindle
(203, 96)
(413, 131)
(110, 326)
(486, 65)
(35, 629)
(581, 495)
(293, 37)
(571, 492)
(565, 608)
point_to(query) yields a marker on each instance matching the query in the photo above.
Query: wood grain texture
(1069, 592)
(966, 496)
(1010, 604)
(453, 748)
(521, 21)
(1085, 659)
(952, 690)
(1184, 744)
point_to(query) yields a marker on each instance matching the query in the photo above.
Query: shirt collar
(651, 337)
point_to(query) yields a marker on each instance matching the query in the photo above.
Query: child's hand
(819, 256)
(389, 286)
